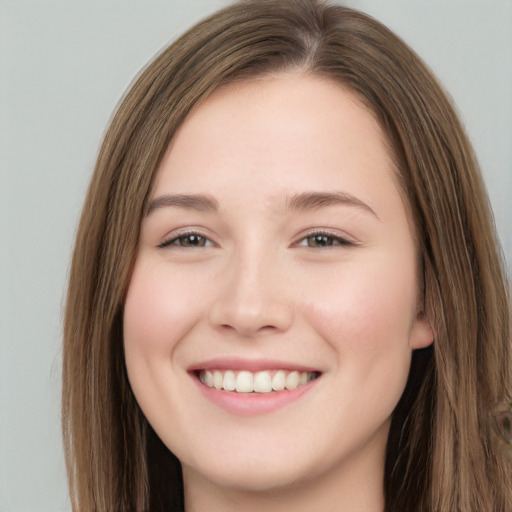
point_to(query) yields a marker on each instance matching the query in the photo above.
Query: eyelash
(333, 240)
(329, 240)
(174, 241)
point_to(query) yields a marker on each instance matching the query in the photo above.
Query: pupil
(193, 240)
(321, 241)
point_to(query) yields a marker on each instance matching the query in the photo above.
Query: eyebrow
(198, 202)
(316, 200)
(296, 202)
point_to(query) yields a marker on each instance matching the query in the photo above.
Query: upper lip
(252, 365)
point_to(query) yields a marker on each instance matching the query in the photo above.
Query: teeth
(279, 381)
(217, 380)
(244, 382)
(292, 381)
(229, 382)
(262, 382)
(208, 379)
(259, 382)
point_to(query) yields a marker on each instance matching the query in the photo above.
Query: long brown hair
(442, 454)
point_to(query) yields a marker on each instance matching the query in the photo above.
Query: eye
(187, 240)
(320, 240)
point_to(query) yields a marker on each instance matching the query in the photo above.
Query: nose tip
(251, 307)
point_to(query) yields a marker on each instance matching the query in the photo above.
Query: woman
(286, 290)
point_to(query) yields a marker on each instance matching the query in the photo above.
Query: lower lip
(253, 404)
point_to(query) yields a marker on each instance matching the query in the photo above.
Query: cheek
(156, 315)
(155, 319)
(368, 311)
(159, 311)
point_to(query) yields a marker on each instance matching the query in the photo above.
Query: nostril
(248, 329)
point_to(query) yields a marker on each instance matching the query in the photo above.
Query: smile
(265, 381)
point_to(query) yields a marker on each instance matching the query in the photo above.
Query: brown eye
(189, 240)
(321, 240)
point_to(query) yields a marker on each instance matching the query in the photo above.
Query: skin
(260, 287)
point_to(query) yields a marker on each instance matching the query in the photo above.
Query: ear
(422, 334)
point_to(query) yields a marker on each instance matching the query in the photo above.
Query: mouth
(260, 382)
(253, 387)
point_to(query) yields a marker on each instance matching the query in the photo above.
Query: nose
(252, 299)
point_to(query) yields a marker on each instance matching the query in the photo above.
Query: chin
(253, 476)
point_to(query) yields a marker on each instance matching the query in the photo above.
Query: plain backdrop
(64, 66)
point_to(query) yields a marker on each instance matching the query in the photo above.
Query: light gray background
(63, 67)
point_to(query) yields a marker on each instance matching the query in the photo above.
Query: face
(273, 306)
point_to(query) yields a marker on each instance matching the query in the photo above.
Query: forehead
(278, 134)
(294, 104)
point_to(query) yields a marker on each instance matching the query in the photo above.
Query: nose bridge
(251, 299)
